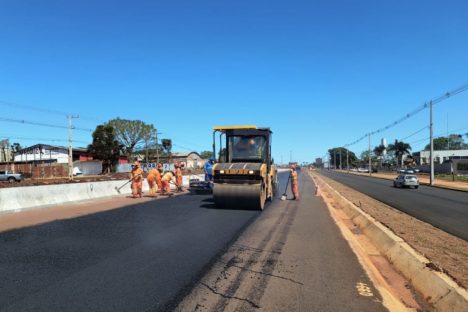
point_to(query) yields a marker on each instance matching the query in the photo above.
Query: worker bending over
(137, 179)
(166, 179)
(151, 178)
(158, 177)
(294, 182)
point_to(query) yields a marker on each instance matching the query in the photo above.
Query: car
(406, 180)
(11, 177)
(363, 169)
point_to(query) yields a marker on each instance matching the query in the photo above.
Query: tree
(452, 142)
(105, 146)
(130, 133)
(15, 148)
(335, 152)
(399, 148)
(206, 154)
(379, 151)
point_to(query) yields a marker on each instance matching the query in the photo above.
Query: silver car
(406, 180)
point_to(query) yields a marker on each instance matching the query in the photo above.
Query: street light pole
(370, 164)
(431, 154)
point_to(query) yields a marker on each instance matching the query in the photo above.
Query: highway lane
(443, 208)
(146, 257)
(136, 258)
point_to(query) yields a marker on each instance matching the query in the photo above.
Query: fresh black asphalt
(145, 257)
(443, 208)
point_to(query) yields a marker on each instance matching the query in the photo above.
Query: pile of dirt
(447, 252)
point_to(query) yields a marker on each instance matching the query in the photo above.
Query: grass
(448, 177)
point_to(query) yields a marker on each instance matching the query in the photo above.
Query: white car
(363, 170)
(406, 180)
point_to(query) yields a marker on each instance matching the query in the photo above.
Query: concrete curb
(31, 197)
(438, 288)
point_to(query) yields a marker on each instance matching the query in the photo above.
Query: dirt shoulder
(446, 251)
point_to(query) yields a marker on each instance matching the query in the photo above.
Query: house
(50, 153)
(191, 160)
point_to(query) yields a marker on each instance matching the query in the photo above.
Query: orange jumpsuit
(166, 180)
(178, 173)
(294, 184)
(153, 187)
(137, 182)
(157, 178)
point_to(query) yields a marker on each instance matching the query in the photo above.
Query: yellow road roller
(244, 176)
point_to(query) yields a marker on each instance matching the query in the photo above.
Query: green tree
(399, 148)
(452, 142)
(379, 152)
(335, 153)
(206, 154)
(130, 133)
(105, 146)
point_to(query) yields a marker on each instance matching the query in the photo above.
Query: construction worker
(157, 176)
(137, 179)
(166, 179)
(151, 178)
(178, 175)
(209, 169)
(294, 182)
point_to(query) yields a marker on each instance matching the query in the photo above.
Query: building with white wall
(422, 157)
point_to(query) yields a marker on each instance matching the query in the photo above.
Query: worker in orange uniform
(166, 179)
(294, 182)
(157, 177)
(178, 175)
(137, 179)
(151, 178)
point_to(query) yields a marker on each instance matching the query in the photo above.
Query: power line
(40, 139)
(419, 131)
(35, 123)
(45, 110)
(414, 112)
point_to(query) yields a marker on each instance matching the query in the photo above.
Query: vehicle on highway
(406, 180)
(245, 175)
(9, 176)
(362, 169)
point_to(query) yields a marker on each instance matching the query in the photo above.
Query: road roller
(244, 176)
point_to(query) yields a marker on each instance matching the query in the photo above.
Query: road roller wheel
(239, 196)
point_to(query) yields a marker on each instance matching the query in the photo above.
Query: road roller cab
(245, 176)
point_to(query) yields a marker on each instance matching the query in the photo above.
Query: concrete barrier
(28, 197)
(438, 288)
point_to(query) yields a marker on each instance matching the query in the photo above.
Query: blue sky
(319, 73)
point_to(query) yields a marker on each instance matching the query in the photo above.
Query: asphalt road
(146, 257)
(443, 208)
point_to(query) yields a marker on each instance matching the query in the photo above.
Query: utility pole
(341, 166)
(157, 147)
(370, 162)
(334, 159)
(70, 146)
(347, 160)
(431, 154)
